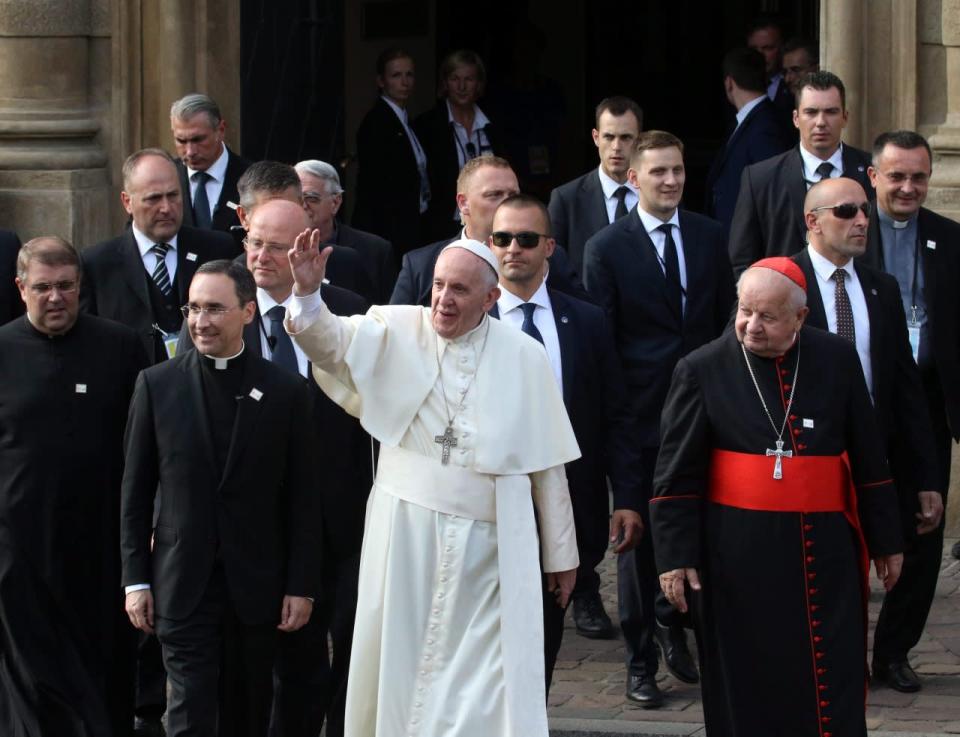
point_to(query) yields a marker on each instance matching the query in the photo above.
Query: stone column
(841, 52)
(52, 175)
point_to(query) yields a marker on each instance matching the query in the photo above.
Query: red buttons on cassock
(807, 527)
(809, 543)
(797, 431)
(811, 576)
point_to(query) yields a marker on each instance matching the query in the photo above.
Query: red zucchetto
(785, 266)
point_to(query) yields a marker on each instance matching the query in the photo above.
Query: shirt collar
(651, 222)
(479, 119)
(145, 244)
(811, 162)
(222, 363)
(889, 221)
(265, 302)
(508, 301)
(401, 113)
(743, 112)
(825, 268)
(218, 169)
(611, 185)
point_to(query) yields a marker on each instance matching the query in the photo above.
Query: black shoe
(643, 690)
(672, 642)
(898, 675)
(955, 550)
(591, 619)
(148, 727)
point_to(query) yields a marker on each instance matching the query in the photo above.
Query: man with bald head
(771, 494)
(141, 277)
(473, 436)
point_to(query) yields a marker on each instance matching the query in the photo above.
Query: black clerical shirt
(221, 391)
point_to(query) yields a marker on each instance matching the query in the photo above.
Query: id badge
(913, 331)
(170, 343)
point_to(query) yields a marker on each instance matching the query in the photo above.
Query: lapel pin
(256, 394)
(860, 168)
(191, 257)
(564, 319)
(873, 292)
(81, 389)
(932, 245)
(807, 423)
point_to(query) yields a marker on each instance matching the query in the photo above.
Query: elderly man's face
(320, 205)
(198, 143)
(463, 290)
(152, 197)
(52, 296)
(766, 322)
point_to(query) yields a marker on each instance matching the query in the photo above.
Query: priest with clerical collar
(771, 495)
(474, 435)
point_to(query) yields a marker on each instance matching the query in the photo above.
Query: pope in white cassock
(448, 640)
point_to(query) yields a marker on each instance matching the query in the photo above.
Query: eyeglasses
(273, 249)
(525, 239)
(214, 313)
(846, 210)
(42, 289)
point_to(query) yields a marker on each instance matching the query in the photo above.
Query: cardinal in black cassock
(771, 549)
(65, 384)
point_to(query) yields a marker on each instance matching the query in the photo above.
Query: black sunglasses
(525, 239)
(846, 210)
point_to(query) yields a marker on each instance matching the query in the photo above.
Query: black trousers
(309, 686)
(219, 669)
(905, 608)
(151, 679)
(638, 586)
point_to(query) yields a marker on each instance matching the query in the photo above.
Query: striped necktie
(160, 276)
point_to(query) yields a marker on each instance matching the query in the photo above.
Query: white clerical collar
(145, 244)
(218, 169)
(479, 119)
(825, 267)
(611, 185)
(509, 301)
(222, 363)
(743, 112)
(265, 302)
(652, 222)
(896, 224)
(811, 162)
(401, 112)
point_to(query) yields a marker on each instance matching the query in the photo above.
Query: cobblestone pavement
(587, 696)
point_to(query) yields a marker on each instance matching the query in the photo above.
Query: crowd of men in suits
(244, 486)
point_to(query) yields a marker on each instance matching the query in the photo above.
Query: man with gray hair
(322, 198)
(204, 159)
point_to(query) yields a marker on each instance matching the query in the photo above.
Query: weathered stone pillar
(52, 175)
(841, 52)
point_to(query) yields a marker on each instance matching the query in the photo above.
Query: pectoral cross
(448, 441)
(779, 453)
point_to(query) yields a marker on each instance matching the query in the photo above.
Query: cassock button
(813, 591)
(822, 687)
(797, 431)
(809, 543)
(810, 559)
(811, 576)
(807, 527)
(824, 703)
(819, 655)
(792, 418)
(801, 446)
(786, 386)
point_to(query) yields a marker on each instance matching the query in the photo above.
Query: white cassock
(448, 639)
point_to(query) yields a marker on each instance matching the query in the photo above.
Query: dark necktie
(160, 276)
(621, 195)
(845, 327)
(671, 264)
(281, 347)
(528, 327)
(201, 205)
(824, 170)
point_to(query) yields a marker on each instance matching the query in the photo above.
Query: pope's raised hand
(307, 262)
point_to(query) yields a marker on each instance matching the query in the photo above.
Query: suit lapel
(797, 190)
(874, 310)
(251, 336)
(186, 267)
(191, 366)
(248, 410)
(134, 272)
(818, 315)
(853, 169)
(566, 338)
(649, 263)
(598, 208)
(928, 257)
(185, 189)
(874, 253)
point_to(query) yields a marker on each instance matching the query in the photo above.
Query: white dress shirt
(418, 153)
(774, 84)
(265, 303)
(743, 112)
(659, 238)
(217, 174)
(858, 303)
(150, 259)
(511, 314)
(811, 162)
(610, 186)
(477, 136)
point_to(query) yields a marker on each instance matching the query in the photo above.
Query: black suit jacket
(897, 392)
(114, 283)
(759, 137)
(768, 217)
(388, 181)
(342, 453)
(11, 305)
(258, 516)
(435, 133)
(377, 256)
(623, 275)
(415, 282)
(941, 274)
(224, 217)
(578, 209)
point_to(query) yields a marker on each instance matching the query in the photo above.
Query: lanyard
(463, 151)
(913, 285)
